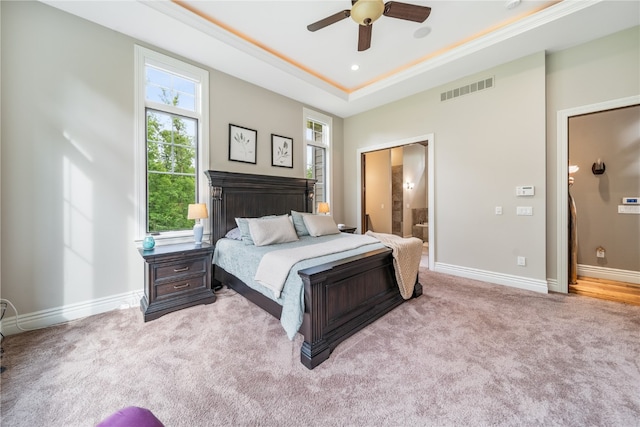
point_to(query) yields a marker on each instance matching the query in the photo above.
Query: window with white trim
(171, 143)
(317, 136)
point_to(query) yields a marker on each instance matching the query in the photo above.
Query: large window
(171, 103)
(318, 143)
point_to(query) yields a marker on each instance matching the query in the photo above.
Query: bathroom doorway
(397, 191)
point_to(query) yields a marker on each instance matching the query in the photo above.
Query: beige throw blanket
(274, 266)
(406, 259)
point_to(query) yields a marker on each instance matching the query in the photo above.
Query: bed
(340, 297)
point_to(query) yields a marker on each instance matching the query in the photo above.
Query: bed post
(309, 195)
(218, 214)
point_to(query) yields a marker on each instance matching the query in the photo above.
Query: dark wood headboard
(246, 195)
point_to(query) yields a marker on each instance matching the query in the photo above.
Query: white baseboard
(54, 316)
(597, 272)
(527, 283)
(553, 285)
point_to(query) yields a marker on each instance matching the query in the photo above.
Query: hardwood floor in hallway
(607, 289)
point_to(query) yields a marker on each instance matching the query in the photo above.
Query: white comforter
(274, 266)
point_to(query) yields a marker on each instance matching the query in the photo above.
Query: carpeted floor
(464, 353)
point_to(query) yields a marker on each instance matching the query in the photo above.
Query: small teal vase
(148, 242)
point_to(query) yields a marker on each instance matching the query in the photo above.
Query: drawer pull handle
(186, 285)
(178, 270)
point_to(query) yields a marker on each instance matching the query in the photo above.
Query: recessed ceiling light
(421, 32)
(510, 4)
(355, 67)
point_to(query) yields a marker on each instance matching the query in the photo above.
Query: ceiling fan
(366, 12)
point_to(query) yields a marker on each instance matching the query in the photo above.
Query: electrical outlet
(522, 261)
(498, 210)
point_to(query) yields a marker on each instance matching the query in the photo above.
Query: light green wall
(486, 144)
(68, 195)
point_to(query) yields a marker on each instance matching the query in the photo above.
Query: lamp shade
(323, 207)
(197, 211)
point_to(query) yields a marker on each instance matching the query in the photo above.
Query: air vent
(467, 89)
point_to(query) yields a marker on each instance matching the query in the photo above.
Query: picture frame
(242, 144)
(281, 151)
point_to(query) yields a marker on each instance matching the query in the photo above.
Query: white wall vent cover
(467, 89)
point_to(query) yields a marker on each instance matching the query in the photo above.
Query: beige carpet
(465, 353)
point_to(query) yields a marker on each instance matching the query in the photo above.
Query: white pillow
(267, 231)
(320, 225)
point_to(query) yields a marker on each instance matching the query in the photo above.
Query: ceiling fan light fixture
(366, 12)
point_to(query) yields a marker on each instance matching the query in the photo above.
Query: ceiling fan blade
(329, 20)
(364, 37)
(409, 12)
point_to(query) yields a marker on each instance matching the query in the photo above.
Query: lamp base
(197, 233)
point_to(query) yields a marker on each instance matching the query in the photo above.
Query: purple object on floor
(131, 416)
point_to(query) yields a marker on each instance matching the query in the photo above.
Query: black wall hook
(598, 168)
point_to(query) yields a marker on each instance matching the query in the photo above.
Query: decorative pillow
(298, 222)
(234, 234)
(245, 234)
(267, 231)
(243, 225)
(320, 225)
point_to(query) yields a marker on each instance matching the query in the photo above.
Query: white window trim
(308, 114)
(146, 56)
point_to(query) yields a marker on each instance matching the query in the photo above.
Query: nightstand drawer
(186, 285)
(177, 269)
(176, 277)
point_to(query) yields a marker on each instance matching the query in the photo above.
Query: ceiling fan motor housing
(365, 12)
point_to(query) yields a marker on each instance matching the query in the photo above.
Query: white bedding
(275, 266)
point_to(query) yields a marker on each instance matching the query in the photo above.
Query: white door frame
(430, 177)
(562, 237)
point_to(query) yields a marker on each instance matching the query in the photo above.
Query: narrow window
(318, 143)
(171, 104)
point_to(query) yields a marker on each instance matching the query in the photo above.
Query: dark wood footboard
(340, 298)
(343, 297)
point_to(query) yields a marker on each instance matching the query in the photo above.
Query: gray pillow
(245, 234)
(298, 222)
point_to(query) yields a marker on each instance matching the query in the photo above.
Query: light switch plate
(524, 210)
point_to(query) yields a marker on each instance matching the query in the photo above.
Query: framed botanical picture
(242, 144)
(281, 151)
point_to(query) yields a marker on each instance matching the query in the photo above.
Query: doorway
(562, 234)
(365, 222)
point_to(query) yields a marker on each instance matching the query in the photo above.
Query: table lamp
(323, 208)
(197, 211)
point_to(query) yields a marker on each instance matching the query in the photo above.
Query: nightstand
(347, 229)
(176, 277)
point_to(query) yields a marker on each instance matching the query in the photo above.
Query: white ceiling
(267, 43)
